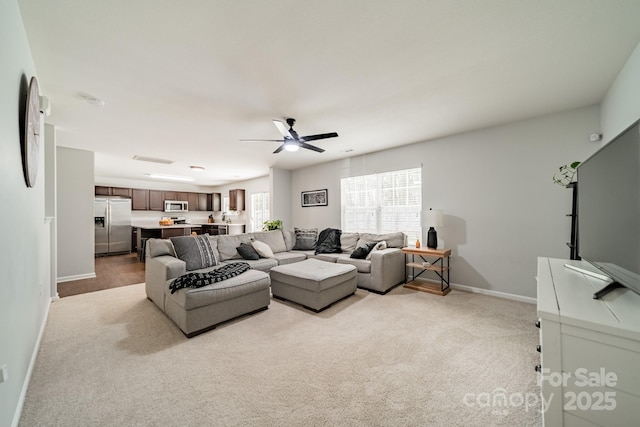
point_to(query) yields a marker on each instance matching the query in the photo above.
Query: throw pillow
(361, 252)
(378, 247)
(159, 247)
(246, 251)
(305, 239)
(329, 241)
(262, 249)
(198, 252)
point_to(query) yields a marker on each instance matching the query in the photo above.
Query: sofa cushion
(394, 240)
(348, 241)
(262, 249)
(378, 247)
(329, 241)
(198, 280)
(305, 239)
(289, 257)
(227, 245)
(362, 265)
(289, 237)
(274, 239)
(159, 247)
(246, 283)
(247, 251)
(196, 251)
(262, 264)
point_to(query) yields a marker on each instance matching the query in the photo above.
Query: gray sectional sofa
(196, 310)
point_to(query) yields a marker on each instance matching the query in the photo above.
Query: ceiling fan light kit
(291, 141)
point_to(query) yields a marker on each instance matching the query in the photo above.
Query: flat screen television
(609, 211)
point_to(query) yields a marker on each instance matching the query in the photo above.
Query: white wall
(621, 105)
(24, 260)
(494, 185)
(257, 185)
(280, 192)
(75, 194)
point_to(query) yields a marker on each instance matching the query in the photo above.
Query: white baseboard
(483, 291)
(497, 294)
(32, 362)
(76, 277)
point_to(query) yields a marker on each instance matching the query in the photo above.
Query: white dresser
(590, 349)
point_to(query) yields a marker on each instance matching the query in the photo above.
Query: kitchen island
(217, 228)
(147, 231)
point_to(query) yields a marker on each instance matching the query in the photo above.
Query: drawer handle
(537, 323)
(539, 348)
(538, 368)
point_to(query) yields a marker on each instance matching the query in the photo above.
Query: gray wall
(75, 195)
(494, 185)
(24, 262)
(621, 104)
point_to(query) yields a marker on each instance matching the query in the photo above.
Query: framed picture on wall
(314, 198)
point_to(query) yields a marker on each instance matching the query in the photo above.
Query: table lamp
(433, 218)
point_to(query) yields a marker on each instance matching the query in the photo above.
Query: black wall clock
(31, 140)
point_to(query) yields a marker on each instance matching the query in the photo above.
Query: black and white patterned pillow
(305, 239)
(198, 252)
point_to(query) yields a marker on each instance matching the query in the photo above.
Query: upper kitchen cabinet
(156, 200)
(194, 202)
(100, 190)
(216, 202)
(170, 195)
(139, 199)
(236, 200)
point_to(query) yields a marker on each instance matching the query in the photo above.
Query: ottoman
(313, 283)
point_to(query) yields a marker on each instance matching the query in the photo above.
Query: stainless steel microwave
(176, 206)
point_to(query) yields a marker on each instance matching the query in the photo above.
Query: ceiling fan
(291, 141)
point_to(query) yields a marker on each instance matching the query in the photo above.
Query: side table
(437, 266)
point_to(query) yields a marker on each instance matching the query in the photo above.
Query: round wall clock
(31, 151)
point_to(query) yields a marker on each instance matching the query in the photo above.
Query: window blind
(383, 203)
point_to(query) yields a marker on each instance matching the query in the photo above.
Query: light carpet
(408, 358)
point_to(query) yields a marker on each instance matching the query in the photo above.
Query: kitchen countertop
(151, 226)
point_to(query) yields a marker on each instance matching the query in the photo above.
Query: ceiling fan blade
(279, 149)
(310, 147)
(319, 136)
(283, 129)
(262, 140)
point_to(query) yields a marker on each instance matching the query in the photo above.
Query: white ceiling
(185, 80)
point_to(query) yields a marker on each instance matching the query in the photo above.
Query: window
(225, 204)
(383, 203)
(259, 210)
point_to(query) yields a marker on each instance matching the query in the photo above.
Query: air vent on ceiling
(152, 160)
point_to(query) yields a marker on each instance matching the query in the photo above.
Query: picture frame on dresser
(314, 198)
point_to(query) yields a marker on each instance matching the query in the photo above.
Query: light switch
(4, 373)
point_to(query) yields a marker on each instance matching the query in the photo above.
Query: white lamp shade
(432, 218)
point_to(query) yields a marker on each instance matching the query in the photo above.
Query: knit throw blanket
(198, 280)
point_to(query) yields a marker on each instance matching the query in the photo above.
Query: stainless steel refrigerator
(112, 225)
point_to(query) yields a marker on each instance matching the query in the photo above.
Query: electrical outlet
(4, 373)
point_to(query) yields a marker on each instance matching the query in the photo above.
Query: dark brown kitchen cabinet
(216, 202)
(139, 199)
(193, 200)
(183, 197)
(236, 200)
(156, 200)
(102, 191)
(122, 192)
(170, 195)
(204, 202)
